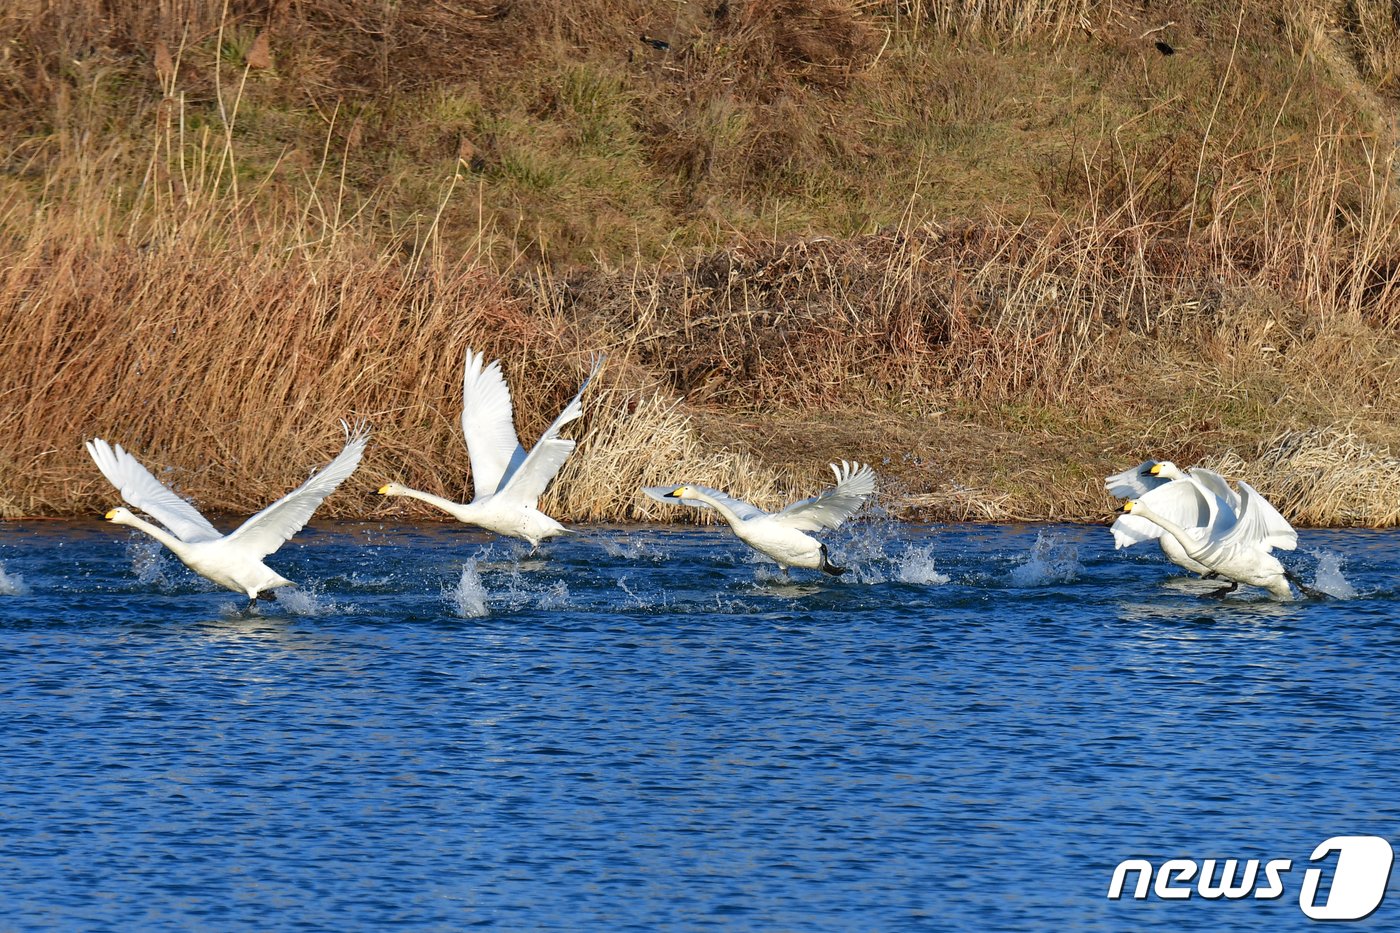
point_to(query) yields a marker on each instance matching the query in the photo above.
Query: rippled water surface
(642, 728)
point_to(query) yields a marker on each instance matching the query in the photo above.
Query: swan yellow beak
(110, 515)
(1156, 469)
(1128, 506)
(678, 493)
(384, 490)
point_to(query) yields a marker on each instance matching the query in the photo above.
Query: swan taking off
(1196, 514)
(508, 481)
(1229, 542)
(234, 560)
(782, 535)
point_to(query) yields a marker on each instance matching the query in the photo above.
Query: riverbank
(227, 370)
(998, 255)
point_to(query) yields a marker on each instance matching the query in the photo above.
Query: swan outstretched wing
(1132, 529)
(488, 424)
(1182, 503)
(1277, 530)
(1259, 523)
(855, 483)
(268, 530)
(739, 507)
(1217, 485)
(143, 491)
(1134, 483)
(527, 483)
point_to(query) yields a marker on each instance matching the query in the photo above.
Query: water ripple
(643, 728)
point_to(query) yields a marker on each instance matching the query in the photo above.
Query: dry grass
(648, 441)
(1325, 476)
(1374, 29)
(220, 234)
(225, 365)
(235, 364)
(1013, 19)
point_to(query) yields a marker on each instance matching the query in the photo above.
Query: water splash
(514, 582)
(863, 548)
(305, 601)
(636, 600)
(12, 584)
(468, 598)
(764, 573)
(554, 596)
(916, 565)
(1050, 560)
(632, 547)
(1328, 577)
(151, 563)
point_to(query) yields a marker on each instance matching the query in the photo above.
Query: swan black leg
(1224, 590)
(264, 594)
(1303, 587)
(828, 567)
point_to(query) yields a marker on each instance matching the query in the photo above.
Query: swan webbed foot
(1311, 592)
(262, 594)
(1224, 590)
(828, 567)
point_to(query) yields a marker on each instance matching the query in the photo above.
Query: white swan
(234, 560)
(508, 481)
(1235, 544)
(1194, 513)
(781, 535)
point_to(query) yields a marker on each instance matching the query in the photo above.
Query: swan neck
(160, 534)
(1188, 544)
(447, 505)
(718, 506)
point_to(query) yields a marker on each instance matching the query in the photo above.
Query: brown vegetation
(999, 249)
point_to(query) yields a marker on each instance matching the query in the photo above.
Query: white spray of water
(12, 584)
(468, 597)
(916, 565)
(632, 547)
(766, 573)
(863, 548)
(1050, 560)
(636, 600)
(284, 601)
(554, 596)
(150, 562)
(514, 584)
(1329, 577)
(305, 601)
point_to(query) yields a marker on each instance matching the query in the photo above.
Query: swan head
(391, 489)
(1167, 470)
(1128, 506)
(120, 516)
(680, 492)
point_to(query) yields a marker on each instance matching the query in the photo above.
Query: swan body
(234, 560)
(783, 535)
(1235, 544)
(1190, 512)
(508, 480)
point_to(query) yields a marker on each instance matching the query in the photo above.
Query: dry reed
(218, 307)
(1324, 476)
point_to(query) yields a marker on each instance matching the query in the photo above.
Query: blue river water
(644, 728)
